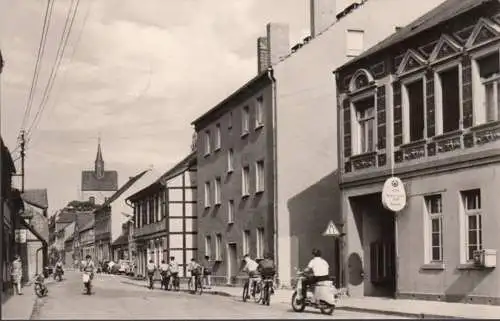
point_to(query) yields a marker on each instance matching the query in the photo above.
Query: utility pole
(23, 153)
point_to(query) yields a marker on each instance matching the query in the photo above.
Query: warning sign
(331, 230)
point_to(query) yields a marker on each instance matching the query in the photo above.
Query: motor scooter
(323, 295)
(87, 282)
(58, 274)
(40, 287)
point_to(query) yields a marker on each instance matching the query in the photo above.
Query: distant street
(114, 298)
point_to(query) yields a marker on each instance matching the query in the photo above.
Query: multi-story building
(423, 106)
(165, 217)
(99, 184)
(84, 236)
(294, 123)
(235, 178)
(120, 246)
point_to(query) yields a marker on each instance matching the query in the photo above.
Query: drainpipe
(270, 74)
(36, 256)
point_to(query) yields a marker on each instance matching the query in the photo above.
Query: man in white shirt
(320, 270)
(251, 268)
(173, 267)
(164, 273)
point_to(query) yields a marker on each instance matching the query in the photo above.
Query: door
(232, 268)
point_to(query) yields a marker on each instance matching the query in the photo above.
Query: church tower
(99, 161)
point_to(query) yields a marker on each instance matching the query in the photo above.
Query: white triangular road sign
(331, 230)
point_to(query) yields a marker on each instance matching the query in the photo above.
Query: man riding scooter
(59, 272)
(319, 268)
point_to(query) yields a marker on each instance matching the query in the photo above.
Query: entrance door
(232, 268)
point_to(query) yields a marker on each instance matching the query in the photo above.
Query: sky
(137, 73)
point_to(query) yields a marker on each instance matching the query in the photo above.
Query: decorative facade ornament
(361, 79)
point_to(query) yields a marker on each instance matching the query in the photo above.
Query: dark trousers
(307, 282)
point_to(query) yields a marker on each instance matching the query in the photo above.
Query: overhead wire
(38, 63)
(70, 17)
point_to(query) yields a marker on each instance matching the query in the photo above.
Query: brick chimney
(262, 54)
(323, 13)
(278, 41)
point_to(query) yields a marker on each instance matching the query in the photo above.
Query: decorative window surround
(438, 94)
(405, 105)
(445, 50)
(412, 62)
(483, 33)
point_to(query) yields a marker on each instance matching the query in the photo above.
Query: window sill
(207, 206)
(245, 195)
(433, 266)
(216, 149)
(259, 126)
(448, 135)
(471, 266)
(217, 203)
(230, 223)
(485, 125)
(414, 143)
(230, 171)
(259, 192)
(244, 134)
(206, 154)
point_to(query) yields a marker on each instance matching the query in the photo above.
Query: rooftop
(37, 197)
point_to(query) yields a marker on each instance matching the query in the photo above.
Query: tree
(82, 205)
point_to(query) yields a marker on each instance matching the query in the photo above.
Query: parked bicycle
(198, 286)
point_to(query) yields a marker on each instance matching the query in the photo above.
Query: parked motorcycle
(40, 287)
(87, 282)
(323, 295)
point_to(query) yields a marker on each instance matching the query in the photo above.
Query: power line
(70, 17)
(41, 51)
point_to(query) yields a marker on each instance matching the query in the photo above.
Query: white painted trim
(437, 48)
(479, 25)
(405, 104)
(438, 95)
(410, 54)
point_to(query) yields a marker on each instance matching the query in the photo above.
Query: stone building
(423, 105)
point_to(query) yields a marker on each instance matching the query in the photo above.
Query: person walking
(207, 272)
(17, 274)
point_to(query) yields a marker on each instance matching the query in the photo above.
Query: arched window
(361, 79)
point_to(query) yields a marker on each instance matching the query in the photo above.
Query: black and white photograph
(249, 159)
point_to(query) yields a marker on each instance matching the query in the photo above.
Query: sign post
(332, 230)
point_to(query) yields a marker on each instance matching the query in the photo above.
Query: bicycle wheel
(257, 292)
(245, 291)
(267, 293)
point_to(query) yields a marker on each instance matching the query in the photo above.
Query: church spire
(99, 161)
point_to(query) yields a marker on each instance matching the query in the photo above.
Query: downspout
(270, 74)
(36, 256)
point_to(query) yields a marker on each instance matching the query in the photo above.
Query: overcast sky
(136, 71)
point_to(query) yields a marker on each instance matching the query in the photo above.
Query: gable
(484, 31)
(411, 61)
(445, 47)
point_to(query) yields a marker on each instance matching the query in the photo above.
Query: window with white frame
(218, 247)
(354, 42)
(230, 212)
(259, 112)
(448, 99)
(473, 222)
(365, 123)
(260, 243)
(207, 194)
(245, 181)
(414, 110)
(230, 160)
(207, 142)
(217, 191)
(246, 242)
(217, 137)
(259, 176)
(208, 246)
(245, 120)
(434, 206)
(486, 79)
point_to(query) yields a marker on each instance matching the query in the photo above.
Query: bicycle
(256, 289)
(198, 286)
(173, 282)
(267, 288)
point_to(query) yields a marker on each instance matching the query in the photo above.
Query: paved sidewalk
(20, 307)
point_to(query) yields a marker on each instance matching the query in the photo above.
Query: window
(365, 114)
(230, 120)
(355, 39)
(245, 181)
(230, 212)
(259, 176)
(230, 160)
(207, 194)
(414, 109)
(245, 121)
(246, 242)
(218, 247)
(259, 112)
(473, 223)
(260, 243)
(207, 142)
(487, 78)
(92, 200)
(434, 207)
(208, 246)
(217, 191)
(217, 137)
(449, 99)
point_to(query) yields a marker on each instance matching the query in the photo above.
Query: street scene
(256, 159)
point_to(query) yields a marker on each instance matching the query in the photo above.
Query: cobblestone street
(114, 298)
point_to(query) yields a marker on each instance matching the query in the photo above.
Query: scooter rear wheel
(297, 305)
(327, 308)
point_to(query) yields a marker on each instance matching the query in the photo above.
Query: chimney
(278, 41)
(322, 14)
(262, 54)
